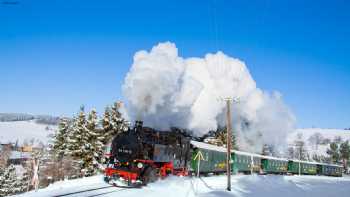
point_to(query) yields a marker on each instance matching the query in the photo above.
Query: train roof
(224, 150)
(208, 146)
(260, 156)
(317, 163)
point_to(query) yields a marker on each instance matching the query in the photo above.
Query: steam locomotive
(142, 155)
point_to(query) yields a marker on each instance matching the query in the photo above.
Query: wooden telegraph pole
(228, 140)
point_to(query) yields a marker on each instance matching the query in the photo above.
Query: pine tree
(2, 182)
(78, 141)
(84, 146)
(9, 183)
(221, 136)
(115, 124)
(333, 152)
(60, 139)
(106, 123)
(95, 150)
(25, 180)
(345, 153)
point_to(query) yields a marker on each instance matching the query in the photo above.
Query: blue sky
(57, 55)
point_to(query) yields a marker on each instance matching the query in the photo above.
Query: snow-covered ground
(24, 130)
(214, 186)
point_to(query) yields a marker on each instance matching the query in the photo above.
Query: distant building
(8, 146)
(18, 157)
(27, 148)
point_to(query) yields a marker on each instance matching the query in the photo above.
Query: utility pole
(228, 137)
(228, 140)
(300, 149)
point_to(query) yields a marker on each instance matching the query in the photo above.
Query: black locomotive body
(142, 154)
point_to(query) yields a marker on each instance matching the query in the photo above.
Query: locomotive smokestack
(138, 125)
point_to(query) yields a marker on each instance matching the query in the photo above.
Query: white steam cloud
(166, 90)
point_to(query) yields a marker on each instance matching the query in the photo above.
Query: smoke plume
(166, 90)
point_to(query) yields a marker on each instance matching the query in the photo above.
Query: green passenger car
(308, 168)
(212, 158)
(274, 165)
(331, 170)
(241, 163)
(245, 162)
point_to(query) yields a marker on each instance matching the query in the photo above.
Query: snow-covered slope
(24, 130)
(326, 133)
(320, 149)
(242, 186)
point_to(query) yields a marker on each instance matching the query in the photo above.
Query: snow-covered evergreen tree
(2, 180)
(85, 142)
(345, 153)
(25, 180)
(106, 124)
(333, 152)
(115, 124)
(221, 136)
(95, 146)
(9, 184)
(79, 141)
(60, 142)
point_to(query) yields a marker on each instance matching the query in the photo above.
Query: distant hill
(40, 119)
(27, 128)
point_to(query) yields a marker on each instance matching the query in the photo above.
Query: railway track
(92, 192)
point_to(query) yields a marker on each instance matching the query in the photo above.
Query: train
(142, 155)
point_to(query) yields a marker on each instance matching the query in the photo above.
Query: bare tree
(300, 149)
(316, 139)
(338, 139)
(4, 156)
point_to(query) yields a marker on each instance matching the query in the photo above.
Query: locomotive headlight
(139, 165)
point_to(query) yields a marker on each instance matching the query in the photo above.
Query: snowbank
(242, 186)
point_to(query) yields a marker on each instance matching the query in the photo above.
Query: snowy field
(242, 186)
(25, 130)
